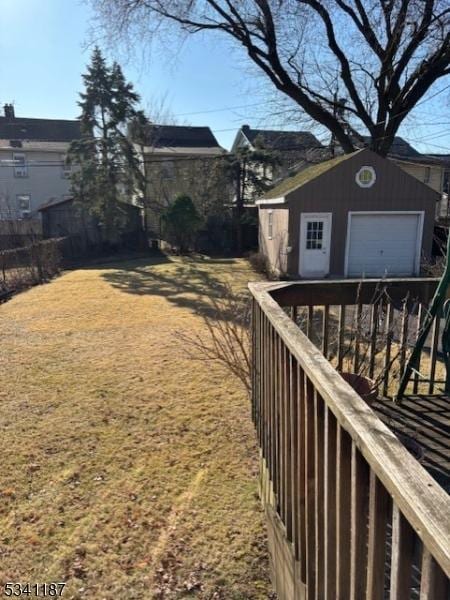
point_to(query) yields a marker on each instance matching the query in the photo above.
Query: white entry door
(315, 236)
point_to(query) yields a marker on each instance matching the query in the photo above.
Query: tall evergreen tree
(107, 165)
(250, 173)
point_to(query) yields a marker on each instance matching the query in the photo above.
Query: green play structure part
(446, 344)
(437, 304)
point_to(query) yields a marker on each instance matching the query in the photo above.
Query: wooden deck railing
(369, 327)
(360, 516)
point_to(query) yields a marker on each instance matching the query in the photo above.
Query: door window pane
(314, 235)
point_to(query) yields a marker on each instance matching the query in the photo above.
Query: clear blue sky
(44, 50)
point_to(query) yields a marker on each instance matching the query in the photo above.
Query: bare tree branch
(386, 54)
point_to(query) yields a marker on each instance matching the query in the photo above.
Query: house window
(366, 177)
(24, 206)
(446, 182)
(166, 171)
(314, 235)
(20, 165)
(66, 170)
(426, 177)
(270, 225)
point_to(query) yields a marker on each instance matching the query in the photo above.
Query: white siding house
(32, 169)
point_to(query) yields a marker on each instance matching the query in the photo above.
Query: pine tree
(250, 173)
(107, 166)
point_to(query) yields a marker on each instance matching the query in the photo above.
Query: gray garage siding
(336, 191)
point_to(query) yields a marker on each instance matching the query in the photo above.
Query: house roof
(282, 140)
(55, 202)
(48, 130)
(399, 147)
(180, 136)
(400, 150)
(306, 175)
(441, 158)
(33, 146)
(60, 201)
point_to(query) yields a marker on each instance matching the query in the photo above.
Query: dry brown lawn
(128, 470)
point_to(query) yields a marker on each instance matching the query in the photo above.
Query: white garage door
(383, 244)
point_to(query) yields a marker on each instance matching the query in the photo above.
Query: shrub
(259, 262)
(30, 265)
(181, 223)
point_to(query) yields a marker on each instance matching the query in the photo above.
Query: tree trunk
(238, 212)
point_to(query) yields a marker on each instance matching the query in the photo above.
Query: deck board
(426, 419)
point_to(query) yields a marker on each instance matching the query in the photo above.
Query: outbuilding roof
(306, 175)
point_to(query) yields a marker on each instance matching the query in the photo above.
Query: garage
(383, 244)
(356, 215)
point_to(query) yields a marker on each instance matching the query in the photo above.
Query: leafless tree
(227, 335)
(384, 55)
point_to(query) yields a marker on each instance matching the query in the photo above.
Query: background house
(32, 169)
(289, 147)
(355, 215)
(299, 149)
(179, 159)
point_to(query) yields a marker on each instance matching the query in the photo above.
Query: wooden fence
(351, 514)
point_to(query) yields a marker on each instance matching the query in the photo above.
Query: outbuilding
(357, 215)
(68, 218)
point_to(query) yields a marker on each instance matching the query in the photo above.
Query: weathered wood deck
(425, 419)
(352, 515)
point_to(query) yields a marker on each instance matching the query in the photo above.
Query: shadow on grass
(123, 260)
(186, 284)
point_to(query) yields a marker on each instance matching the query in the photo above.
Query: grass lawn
(128, 470)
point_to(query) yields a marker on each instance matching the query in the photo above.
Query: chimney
(245, 128)
(9, 112)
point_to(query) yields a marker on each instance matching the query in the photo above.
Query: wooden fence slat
(343, 512)
(294, 458)
(329, 532)
(287, 444)
(266, 372)
(404, 336)
(280, 429)
(273, 404)
(358, 324)
(401, 556)
(301, 450)
(387, 356)
(310, 492)
(325, 329)
(258, 371)
(373, 338)
(310, 321)
(270, 387)
(341, 337)
(319, 447)
(433, 583)
(379, 515)
(360, 472)
(255, 366)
